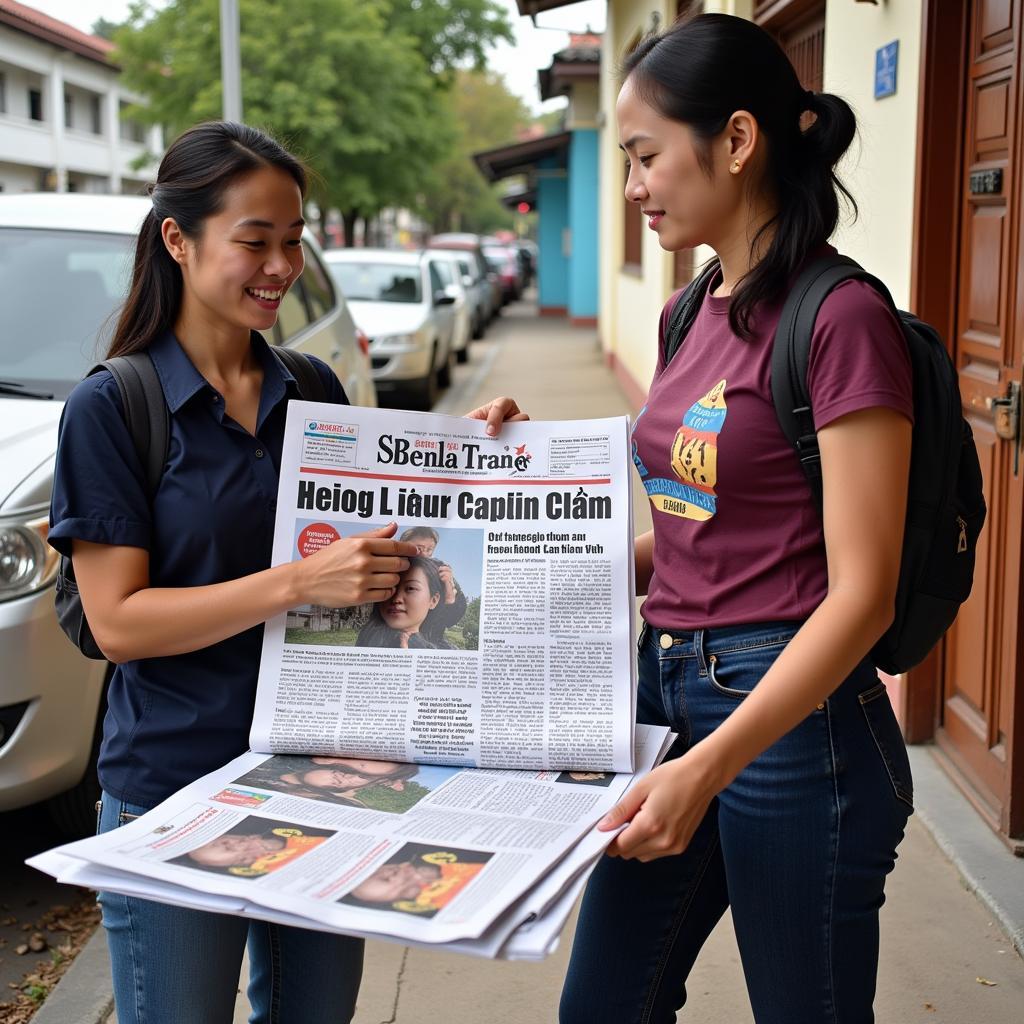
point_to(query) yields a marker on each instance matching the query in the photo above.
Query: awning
(521, 157)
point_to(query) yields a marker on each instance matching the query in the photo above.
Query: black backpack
(148, 422)
(945, 504)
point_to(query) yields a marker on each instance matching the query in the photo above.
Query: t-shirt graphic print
(694, 460)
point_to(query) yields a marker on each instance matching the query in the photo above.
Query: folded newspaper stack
(431, 769)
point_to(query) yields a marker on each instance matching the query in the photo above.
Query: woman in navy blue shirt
(177, 590)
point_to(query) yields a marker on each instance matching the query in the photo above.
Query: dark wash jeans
(172, 965)
(798, 845)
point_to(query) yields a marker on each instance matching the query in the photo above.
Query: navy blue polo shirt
(170, 720)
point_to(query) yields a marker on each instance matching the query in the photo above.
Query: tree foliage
(451, 33)
(350, 85)
(486, 115)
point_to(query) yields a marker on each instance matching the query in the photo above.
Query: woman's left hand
(445, 572)
(663, 811)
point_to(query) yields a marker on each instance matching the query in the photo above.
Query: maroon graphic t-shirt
(737, 537)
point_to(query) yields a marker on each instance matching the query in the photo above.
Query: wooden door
(981, 713)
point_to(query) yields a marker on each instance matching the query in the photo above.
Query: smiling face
(411, 602)
(248, 255)
(683, 203)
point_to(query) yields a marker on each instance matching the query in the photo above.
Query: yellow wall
(630, 305)
(879, 169)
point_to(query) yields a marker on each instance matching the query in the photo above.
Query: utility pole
(230, 60)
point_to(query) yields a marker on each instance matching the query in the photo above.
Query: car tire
(478, 328)
(462, 356)
(423, 393)
(444, 371)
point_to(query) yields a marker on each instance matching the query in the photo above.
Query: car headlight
(393, 342)
(27, 562)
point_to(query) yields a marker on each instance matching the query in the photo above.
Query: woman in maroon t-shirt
(789, 788)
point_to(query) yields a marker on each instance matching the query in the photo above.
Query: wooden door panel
(985, 243)
(983, 647)
(996, 24)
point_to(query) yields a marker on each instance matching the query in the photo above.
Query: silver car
(65, 261)
(400, 300)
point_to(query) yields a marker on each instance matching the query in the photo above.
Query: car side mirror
(443, 299)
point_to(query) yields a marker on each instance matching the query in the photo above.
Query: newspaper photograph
(508, 642)
(460, 863)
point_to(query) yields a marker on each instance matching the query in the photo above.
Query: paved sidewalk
(945, 958)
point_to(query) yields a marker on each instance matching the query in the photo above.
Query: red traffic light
(523, 207)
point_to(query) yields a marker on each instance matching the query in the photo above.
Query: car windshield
(58, 290)
(378, 282)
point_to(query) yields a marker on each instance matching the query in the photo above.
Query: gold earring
(735, 169)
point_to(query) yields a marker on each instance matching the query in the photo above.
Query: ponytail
(194, 175)
(700, 72)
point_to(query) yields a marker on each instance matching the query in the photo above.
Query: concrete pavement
(946, 956)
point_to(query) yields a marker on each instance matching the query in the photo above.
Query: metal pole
(230, 60)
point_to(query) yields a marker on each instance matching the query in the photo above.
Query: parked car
(398, 298)
(65, 262)
(484, 279)
(504, 261)
(449, 267)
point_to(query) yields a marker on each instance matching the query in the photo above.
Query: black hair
(702, 70)
(197, 169)
(421, 531)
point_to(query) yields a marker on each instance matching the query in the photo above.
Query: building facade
(936, 172)
(63, 120)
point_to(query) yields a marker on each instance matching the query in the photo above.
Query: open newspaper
(430, 769)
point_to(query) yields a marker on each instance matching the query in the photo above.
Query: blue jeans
(798, 846)
(172, 965)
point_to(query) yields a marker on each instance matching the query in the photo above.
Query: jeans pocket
(885, 731)
(735, 672)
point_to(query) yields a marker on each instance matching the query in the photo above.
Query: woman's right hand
(496, 412)
(354, 570)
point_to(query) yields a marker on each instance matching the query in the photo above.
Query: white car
(65, 263)
(400, 300)
(453, 276)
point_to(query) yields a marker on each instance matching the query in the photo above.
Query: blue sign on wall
(886, 60)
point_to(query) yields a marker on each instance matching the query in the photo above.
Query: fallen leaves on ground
(985, 981)
(69, 928)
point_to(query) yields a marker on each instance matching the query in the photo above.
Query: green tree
(471, 624)
(337, 84)
(486, 115)
(451, 33)
(104, 28)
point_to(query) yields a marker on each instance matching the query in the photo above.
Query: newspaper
(475, 856)
(428, 770)
(527, 659)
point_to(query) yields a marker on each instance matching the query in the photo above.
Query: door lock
(1006, 418)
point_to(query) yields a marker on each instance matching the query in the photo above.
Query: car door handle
(335, 354)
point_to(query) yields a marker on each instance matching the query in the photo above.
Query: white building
(62, 110)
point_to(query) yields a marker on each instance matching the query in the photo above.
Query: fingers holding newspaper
(354, 570)
(661, 812)
(496, 412)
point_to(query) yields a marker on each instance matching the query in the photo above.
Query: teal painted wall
(552, 220)
(583, 221)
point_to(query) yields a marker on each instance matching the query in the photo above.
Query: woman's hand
(496, 412)
(663, 810)
(403, 639)
(354, 570)
(445, 572)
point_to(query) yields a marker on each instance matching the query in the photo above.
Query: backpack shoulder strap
(685, 310)
(145, 411)
(311, 384)
(791, 353)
